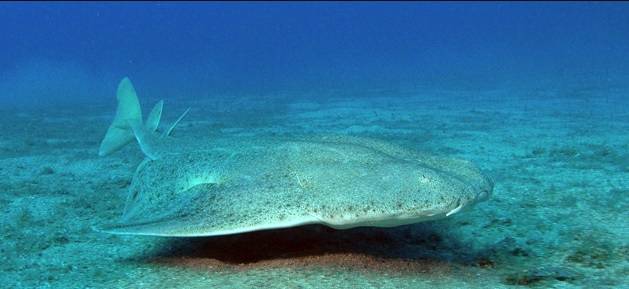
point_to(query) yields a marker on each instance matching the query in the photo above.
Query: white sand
(558, 217)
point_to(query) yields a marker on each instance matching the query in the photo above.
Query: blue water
(534, 94)
(269, 47)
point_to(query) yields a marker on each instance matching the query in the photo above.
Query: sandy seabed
(557, 219)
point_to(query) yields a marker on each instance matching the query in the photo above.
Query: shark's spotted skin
(239, 184)
(234, 184)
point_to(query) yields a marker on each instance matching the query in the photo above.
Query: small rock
(485, 262)
(47, 171)
(519, 252)
(558, 273)
(506, 243)
(528, 277)
(499, 222)
(538, 151)
(521, 278)
(61, 239)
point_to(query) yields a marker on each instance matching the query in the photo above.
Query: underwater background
(535, 94)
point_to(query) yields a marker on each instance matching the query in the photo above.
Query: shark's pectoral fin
(188, 212)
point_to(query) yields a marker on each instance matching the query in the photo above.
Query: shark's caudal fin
(128, 125)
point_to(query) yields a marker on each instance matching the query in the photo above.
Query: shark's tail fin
(128, 125)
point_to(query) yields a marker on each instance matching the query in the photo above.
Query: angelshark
(207, 186)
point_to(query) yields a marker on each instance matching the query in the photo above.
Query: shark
(230, 184)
